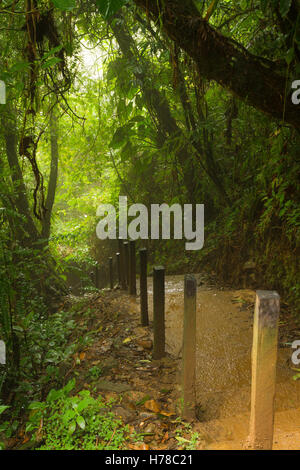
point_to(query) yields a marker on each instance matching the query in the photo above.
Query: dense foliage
(184, 101)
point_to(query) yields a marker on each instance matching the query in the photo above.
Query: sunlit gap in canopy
(91, 60)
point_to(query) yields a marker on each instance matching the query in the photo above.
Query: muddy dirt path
(224, 340)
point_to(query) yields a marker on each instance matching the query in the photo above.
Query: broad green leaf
(3, 408)
(52, 51)
(290, 55)
(108, 8)
(284, 7)
(65, 5)
(36, 405)
(20, 66)
(72, 427)
(84, 404)
(181, 439)
(50, 62)
(80, 422)
(264, 4)
(119, 138)
(54, 395)
(70, 385)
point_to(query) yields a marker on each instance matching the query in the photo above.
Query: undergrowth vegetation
(109, 99)
(75, 422)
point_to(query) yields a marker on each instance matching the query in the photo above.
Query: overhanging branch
(253, 79)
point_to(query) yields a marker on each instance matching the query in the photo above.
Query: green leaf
(119, 138)
(70, 385)
(72, 427)
(20, 67)
(65, 5)
(84, 404)
(108, 8)
(80, 422)
(181, 439)
(284, 7)
(3, 408)
(36, 405)
(54, 395)
(290, 55)
(264, 4)
(30, 427)
(50, 62)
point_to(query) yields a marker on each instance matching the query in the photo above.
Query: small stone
(135, 396)
(141, 331)
(144, 343)
(126, 415)
(249, 265)
(150, 428)
(112, 386)
(145, 415)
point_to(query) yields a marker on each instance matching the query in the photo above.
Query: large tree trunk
(168, 127)
(52, 179)
(27, 229)
(23, 228)
(253, 79)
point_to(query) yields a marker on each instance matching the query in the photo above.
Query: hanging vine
(46, 57)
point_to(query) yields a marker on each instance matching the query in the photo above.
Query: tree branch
(219, 58)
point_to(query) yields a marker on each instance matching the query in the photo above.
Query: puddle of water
(224, 342)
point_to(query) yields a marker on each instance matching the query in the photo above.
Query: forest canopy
(176, 102)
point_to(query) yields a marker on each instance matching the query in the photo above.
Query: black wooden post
(97, 280)
(143, 287)
(132, 268)
(189, 347)
(159, 312)
(121, 251)
(111, 274)
(126, 262)
(118, 268)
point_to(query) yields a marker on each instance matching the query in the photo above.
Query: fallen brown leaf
(166, 413)
(152, 405)
(142, 446)
(26, 439)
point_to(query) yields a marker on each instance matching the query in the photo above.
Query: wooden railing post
(126, 262)
(143, 287)
(264, 359)
(189, 347)
(111, 274)
(159, 312)
(132, 268)
(118, 268)
(97, 276)
(121, 251)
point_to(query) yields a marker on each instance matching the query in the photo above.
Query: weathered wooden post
(111, 274)
(132, 268)
(121, 251)
(189, 347)
(118, 268)
(159, 312)
(2, 353)
(97, 276)
(126, 262)
(143, 287)
(264, 359)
